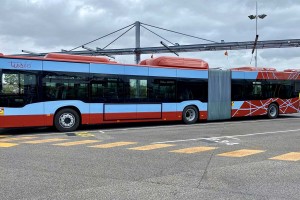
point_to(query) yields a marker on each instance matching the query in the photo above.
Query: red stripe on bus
(22, 121)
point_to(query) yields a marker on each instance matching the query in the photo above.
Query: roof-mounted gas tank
(67, 57)
(269, 69)
(291, 70)
(174, 62)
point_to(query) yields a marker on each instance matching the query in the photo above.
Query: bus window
(237, 90)
(257, 90)
(162, 90)
(138, 88)
(10, 84)
(18, 89)
(297, 86)
(286, 90)
(191, 89)
(107, 89)
(65, 86)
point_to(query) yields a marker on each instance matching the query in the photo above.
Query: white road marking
(227, 142)
(229, 136)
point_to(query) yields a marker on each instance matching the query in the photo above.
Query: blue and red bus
(67, 91)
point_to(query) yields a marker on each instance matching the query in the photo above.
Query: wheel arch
(69, 107)
(194, 105)
(195, 108)
(275, 102)
(270, 114)
(197, 104)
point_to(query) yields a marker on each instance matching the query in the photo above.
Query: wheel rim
(190, 115)
(273, 111)
(67, 120)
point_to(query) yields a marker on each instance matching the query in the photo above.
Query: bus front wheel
(273, 111)
(190, 115)
(66, 120)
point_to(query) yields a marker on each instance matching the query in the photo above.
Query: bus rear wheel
(190, 115)
(273, 111)
(66, 120)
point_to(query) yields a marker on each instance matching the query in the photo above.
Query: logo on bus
(1, 111)
(19, 65)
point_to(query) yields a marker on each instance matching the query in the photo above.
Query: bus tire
(66, 120)
(273, 111)
(190, 115)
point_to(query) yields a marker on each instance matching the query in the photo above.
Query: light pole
(256, 18)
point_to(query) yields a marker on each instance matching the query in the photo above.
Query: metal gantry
(138, 50)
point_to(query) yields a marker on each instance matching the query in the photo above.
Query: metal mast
(137, 41)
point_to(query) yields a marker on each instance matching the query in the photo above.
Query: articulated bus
(66, 91)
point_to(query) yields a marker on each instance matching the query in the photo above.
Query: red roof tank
(67, 57)
(291, 70)
(254, 69)
(174, 62)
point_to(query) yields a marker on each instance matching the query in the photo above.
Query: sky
(45, 26)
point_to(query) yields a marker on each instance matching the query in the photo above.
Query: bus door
(297, 91)
(241, 94)
(135, 104)
(124, 98)
(18, 99)
(132, 111)
(260, 98)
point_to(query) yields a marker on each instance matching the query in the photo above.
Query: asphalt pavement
(249, 158)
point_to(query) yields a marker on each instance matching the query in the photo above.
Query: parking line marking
(292, 156)
(193, 150)
(151, 147)
(84, 134)
(44, 141)
(66, 144)
(5, 145)
(114, 144)
(17, 138)
(241, 153)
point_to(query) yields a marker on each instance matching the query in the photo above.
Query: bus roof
(254, 69)
(65, 57)
(162, 61)
(291, 70)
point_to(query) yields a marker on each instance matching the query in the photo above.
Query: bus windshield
(17, 88)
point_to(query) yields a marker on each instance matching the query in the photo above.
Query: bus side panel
(260, 107)
(241, 108)
(96, 113)
(96, 118)
(202, 107)
(149, 111)
(21, 121)
(49, 119)
(29, 115)
(169, 112)
(119, 111)
(288, 105)
(52, 106)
